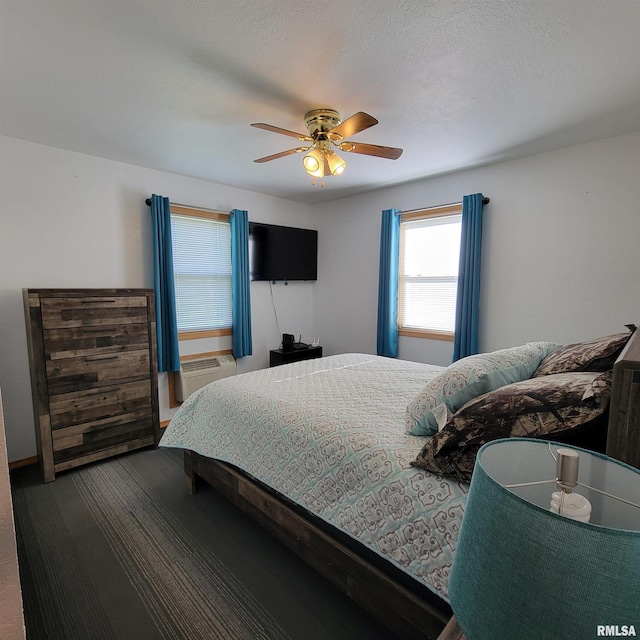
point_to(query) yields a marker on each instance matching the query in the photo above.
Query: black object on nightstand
(278, 356)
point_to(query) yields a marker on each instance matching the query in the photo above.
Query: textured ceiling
(456, 83)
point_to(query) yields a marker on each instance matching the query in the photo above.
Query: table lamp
(523, 571)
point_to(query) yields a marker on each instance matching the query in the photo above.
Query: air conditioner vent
(199, 365)
(197, 373)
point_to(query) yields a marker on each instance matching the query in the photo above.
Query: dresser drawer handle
(102, 301)
(92, 358)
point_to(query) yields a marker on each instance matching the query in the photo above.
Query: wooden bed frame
(402, 609)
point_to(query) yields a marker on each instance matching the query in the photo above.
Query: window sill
(447, 336)
(206, 333)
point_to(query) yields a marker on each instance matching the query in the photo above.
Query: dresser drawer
(95, 340)
(98, 370)
(87, 438)
(62, 312)
(78, 407)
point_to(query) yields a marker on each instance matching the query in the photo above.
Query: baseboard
(25, 462)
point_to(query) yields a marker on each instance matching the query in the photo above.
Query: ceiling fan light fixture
(317, 174)
(314, 163)
(336, 164)
(326, 129)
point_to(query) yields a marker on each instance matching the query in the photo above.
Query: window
(428, 272)
(201, 243)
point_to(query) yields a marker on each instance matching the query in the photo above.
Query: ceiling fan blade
(282, 154)
(286, 132)
(355, 124)
(391, 153)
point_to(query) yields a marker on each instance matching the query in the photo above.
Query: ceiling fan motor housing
(320, 121)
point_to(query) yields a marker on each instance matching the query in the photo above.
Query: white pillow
(468, 378)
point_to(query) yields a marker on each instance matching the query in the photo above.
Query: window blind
(202, 272)
(429, 257)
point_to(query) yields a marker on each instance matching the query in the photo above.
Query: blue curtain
(468, 296)
(240, 290)
(165, 298)
(388, 284)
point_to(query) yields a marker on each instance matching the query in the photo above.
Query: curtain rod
(485, 200)
(190, 206)
(177, 204)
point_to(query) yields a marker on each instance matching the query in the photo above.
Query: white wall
(71, 220)
(559, 257)
(560, 250)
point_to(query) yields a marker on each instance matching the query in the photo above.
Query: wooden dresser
(92, 354)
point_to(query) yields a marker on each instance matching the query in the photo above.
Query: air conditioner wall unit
(196, 373)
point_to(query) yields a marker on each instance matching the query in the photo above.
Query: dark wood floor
(105, 549)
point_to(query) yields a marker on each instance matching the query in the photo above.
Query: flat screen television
(282, 253)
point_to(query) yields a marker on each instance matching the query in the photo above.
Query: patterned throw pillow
(598, 354)
(468, 378)
(536, 408)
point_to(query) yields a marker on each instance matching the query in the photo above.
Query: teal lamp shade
(522, 572)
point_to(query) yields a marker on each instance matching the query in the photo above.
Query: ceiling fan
(327, 130)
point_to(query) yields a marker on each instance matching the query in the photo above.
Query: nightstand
(278, 356)
(452, 631)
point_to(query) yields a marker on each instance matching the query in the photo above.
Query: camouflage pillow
(598, 354)
(468, 378)
(535, 408)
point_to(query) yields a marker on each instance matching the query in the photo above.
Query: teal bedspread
(330, 435)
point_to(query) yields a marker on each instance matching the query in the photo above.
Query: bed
(360, 464)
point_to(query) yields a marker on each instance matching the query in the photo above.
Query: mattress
(329, 434)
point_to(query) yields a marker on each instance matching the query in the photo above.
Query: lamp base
(452, 631)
